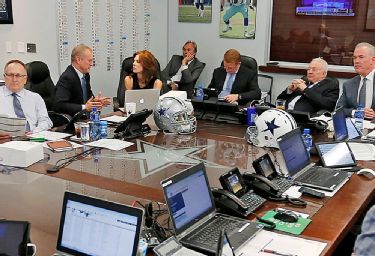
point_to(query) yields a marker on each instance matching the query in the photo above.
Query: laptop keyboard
(317, 175)
(209, 236)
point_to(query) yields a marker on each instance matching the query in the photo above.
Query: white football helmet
(270, 125)
(175, 116)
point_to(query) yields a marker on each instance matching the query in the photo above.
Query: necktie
(84, 89)
(229, 85)
(18, 109)
(362, 94)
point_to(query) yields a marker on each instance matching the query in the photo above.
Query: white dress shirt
(33, 107)
(369, 88)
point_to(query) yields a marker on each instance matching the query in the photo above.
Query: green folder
(295, 228)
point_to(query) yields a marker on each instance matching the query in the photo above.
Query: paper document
(114, 119)
(280, 245)
(362, 151)
(367, 124)
(48, 135)
(13, 125)
(112, 144)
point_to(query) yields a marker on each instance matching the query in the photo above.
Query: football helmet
(270, 125)
(175, 116)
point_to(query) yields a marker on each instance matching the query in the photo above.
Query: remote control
(311, 192)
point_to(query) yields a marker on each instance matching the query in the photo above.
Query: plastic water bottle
(103, 129)
(251, 115)
(307, 139)
(199, 93)
(359, 115)
(94, 124)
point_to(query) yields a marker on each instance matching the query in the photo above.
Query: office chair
(265, 83)
(39, 81)
(126, 68)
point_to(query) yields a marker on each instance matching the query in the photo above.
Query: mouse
(286, 216)
(367, 172)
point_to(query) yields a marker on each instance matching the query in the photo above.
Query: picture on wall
(237, 19)
(198, 11)
(370, 18)
(6, 15)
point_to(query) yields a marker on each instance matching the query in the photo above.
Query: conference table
(132, 176)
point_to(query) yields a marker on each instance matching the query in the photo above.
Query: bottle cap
(306, 131)
(94, 109)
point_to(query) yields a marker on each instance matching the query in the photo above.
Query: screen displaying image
(325, 7)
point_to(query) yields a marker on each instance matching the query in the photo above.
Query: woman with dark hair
(144, 72)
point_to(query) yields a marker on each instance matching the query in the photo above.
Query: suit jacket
(245, 84)
(348, 99)
(69, 96)
(322, 96)
(189, 75)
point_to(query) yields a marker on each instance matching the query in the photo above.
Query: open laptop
(90, 226)
(344, 127)
(144, 99)
(192, 210)
(300, 168)
(335, 154)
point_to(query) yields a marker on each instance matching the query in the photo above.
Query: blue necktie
(229, 85)
(362, 94)
(84, 89)
(18, 109)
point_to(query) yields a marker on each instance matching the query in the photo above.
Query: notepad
(60, 145)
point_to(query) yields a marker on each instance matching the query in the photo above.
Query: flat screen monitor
(325, 7)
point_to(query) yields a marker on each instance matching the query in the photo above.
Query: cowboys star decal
(162, 111)
(271, 126)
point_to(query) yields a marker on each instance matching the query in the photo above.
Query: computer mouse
(367, 172)
(286, 216)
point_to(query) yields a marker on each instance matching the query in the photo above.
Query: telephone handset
(235, 198)
(262, 185)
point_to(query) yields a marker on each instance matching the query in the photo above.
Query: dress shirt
(177, 77)
(81, 76)
(364, 244)
(227, 87)
(32, 105)
(369, 88)
(293, 102)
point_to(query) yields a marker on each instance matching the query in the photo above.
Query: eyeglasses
(18, 76)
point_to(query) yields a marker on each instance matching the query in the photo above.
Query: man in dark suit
(235, 82)
(182, 72)
(360, 89)
(73, 90)
(314, 92)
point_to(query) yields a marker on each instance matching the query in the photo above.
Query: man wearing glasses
(15, 101)
(235, 82)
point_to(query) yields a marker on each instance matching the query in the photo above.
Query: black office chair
(265, 83)
(126, 68)
(39, 81)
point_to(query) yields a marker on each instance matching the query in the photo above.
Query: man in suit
(182, 72)
(360, 89)
(235, 82)
(313, 92)
(73, 90)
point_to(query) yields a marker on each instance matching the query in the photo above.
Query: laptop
(302, 171)
(335, 154)
(144, 99)
(344, 127)
(90, 226)
(193, 214)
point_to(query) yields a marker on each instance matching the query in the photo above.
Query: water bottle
(94, 124)
(307, 139)
(359, 115)
(199, 93)
(251, 115)
(103, 129)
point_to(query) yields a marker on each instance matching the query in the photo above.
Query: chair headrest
(37, 71)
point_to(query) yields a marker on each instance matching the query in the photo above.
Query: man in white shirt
(15, 101)
(360, 89)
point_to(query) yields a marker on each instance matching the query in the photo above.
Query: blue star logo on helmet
(271, 126)
(162, 111)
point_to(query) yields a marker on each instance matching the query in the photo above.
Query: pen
(38, 139)
(277, 253)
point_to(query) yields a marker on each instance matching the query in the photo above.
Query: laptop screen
(89, 226)
(294, 152)
(335, 154)
(188, 197)
(352, 130)
(339, 125)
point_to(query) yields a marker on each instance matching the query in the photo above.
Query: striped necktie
(18, 109)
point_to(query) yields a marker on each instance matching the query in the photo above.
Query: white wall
(34, 22)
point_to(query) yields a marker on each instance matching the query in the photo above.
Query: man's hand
(173, 86)
(231, 98)
(369, 113)
(92, 102)
(104, 100)
(188, 58)
(297, 84)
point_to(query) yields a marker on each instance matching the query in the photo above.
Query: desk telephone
(235, 198)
